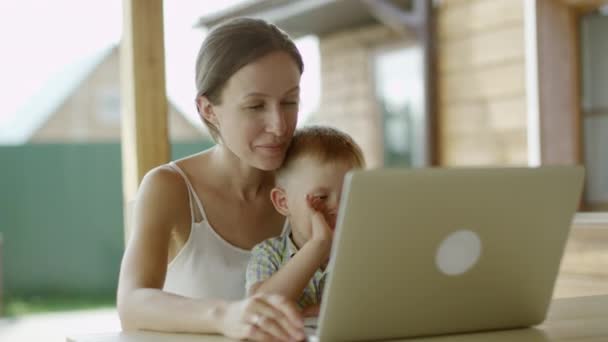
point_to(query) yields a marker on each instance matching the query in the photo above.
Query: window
(594, 63)
(399, 85)
(108, 106)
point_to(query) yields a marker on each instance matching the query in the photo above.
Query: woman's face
(259, 109)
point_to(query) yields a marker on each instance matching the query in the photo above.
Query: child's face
(319, 180)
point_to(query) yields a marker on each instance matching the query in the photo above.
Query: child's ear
(205, 109)
(279, 200)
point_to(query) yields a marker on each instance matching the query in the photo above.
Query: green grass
(18, 306)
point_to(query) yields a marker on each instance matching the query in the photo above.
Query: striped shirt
(269, 256)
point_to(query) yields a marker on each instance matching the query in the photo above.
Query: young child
(307, 191)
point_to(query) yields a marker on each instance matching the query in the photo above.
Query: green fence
(61, 217)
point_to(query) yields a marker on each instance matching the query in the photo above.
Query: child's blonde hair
(323, 143)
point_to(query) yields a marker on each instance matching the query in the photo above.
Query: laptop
(425, 252)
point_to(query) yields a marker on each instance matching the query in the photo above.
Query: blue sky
(40, 38)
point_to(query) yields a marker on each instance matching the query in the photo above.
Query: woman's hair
(231, 45)
(324, 144)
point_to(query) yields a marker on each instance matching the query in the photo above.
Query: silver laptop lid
(434, 251)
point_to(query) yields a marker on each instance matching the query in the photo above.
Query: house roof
(300, 17)
(18, 128)
(36, 111)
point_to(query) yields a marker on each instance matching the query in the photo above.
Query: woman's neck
(247, 182)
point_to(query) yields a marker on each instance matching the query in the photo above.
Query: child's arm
(291, 280)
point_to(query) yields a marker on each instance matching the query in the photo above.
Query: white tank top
(207, 266)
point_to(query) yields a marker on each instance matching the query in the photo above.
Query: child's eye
(322, 197)
(289, 103)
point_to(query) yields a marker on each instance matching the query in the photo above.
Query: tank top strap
(191, 192)
(286, 228)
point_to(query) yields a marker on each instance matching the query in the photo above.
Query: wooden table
(569, 319)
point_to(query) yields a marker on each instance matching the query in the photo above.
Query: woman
(195, 220)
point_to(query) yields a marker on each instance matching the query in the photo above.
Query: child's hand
(321, 231)
(311, 310)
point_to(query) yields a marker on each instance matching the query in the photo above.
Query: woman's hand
(263, 318)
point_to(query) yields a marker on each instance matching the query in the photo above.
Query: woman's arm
(163, 204)
(160, 207)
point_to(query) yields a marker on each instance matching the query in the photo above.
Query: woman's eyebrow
(253, 94)
(256, 95)
(293, 90)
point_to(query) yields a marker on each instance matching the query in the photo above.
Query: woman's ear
(279, 200)
(205, 109)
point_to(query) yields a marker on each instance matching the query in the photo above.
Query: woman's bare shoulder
(197, 168)
(165, 183)
(162, 198)
(164, 180)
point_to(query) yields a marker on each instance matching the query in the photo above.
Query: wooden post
(145, 142)
(427, 36)
(558, 93)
